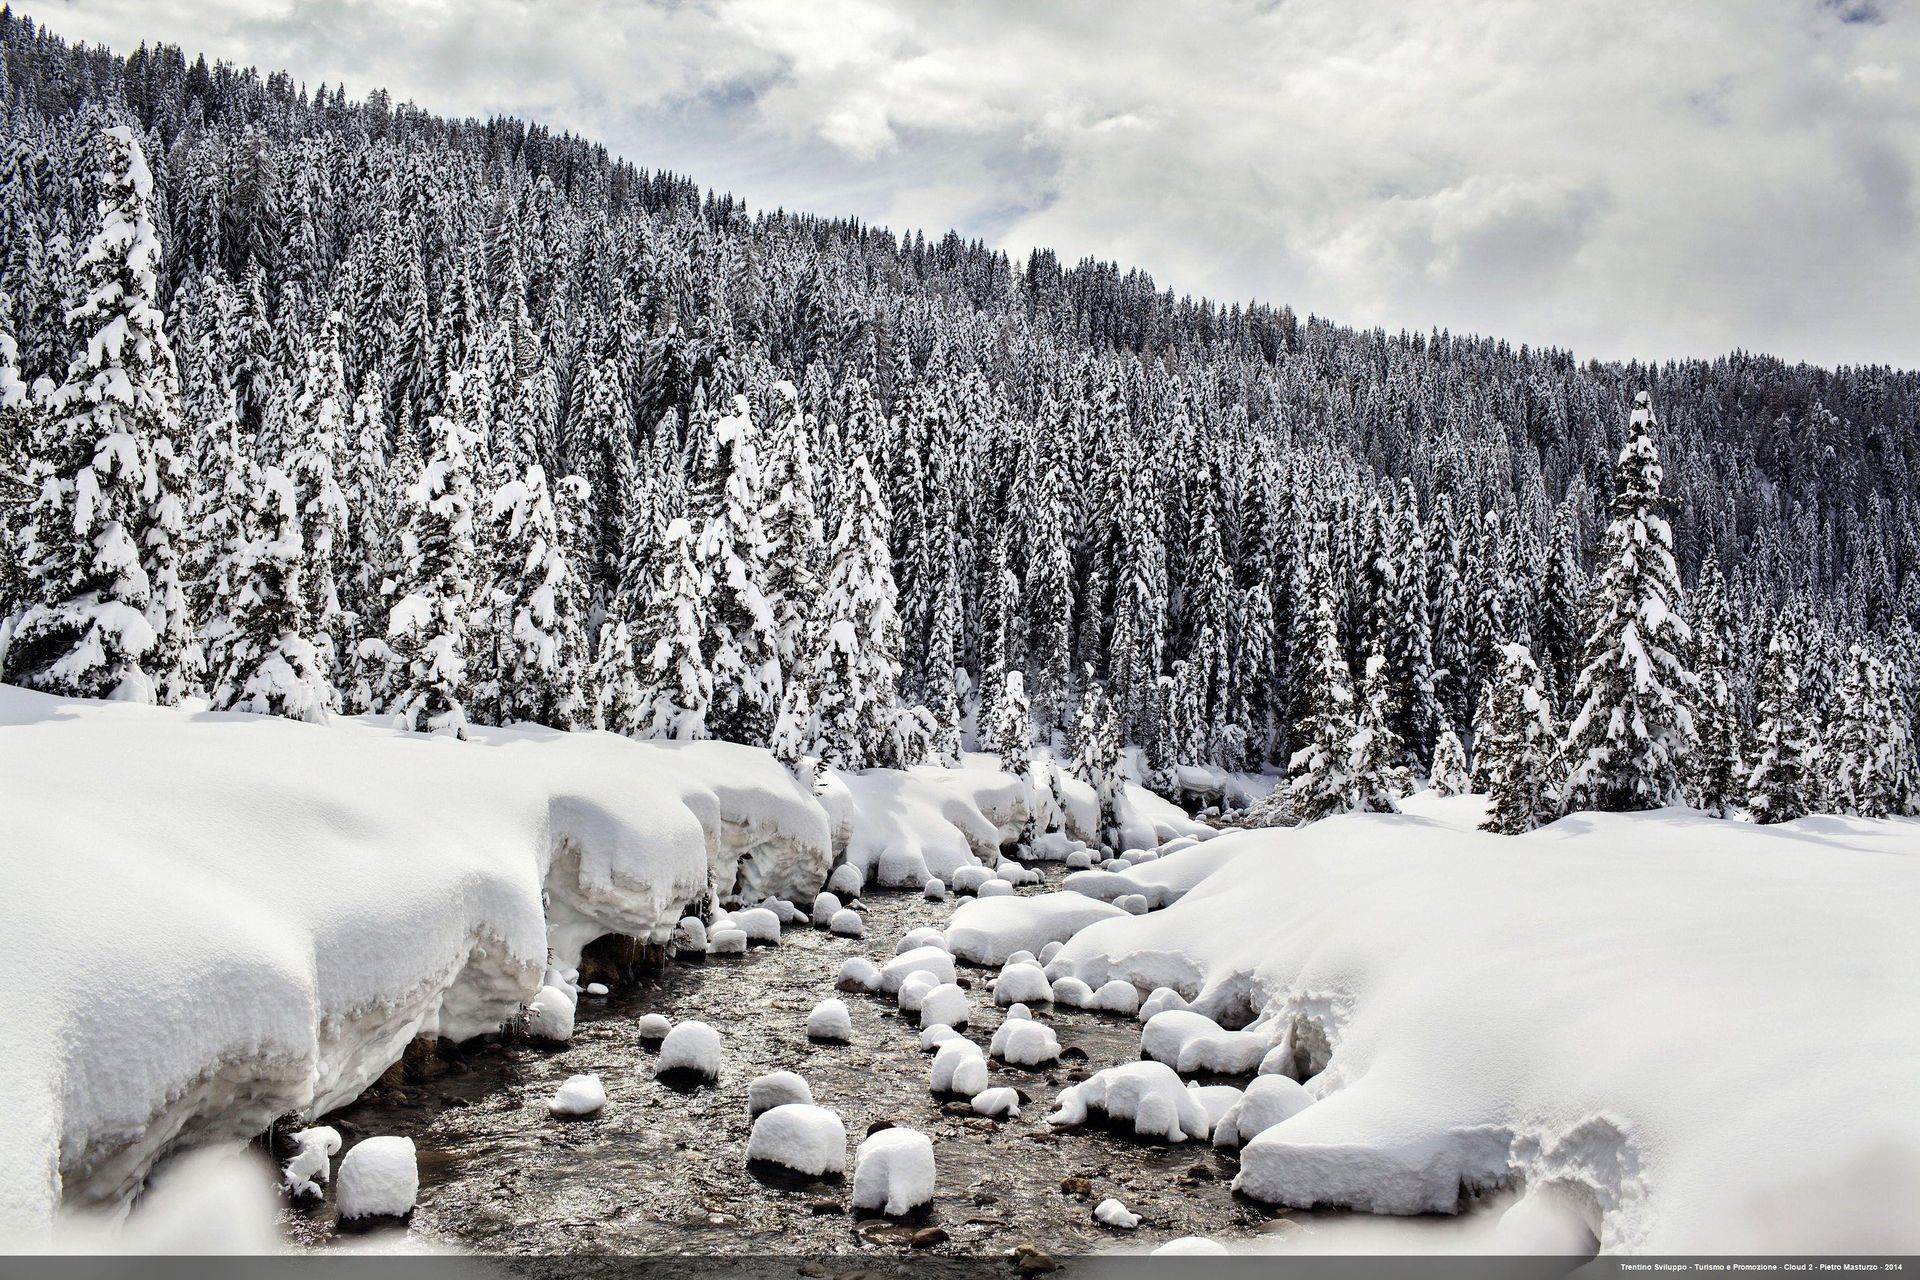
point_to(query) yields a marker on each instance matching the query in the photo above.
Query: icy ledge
(211, 920)
(1610, 1013)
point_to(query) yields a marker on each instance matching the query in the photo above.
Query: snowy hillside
(1670, 1028)
(225, 917)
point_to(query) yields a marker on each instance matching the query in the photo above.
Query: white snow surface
(379, 1177)
(944, 1005)
(893, 1172)
(800, 1136)
(1607, 1005)
(1111, 1213)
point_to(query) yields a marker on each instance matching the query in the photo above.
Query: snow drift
(1609, 1007)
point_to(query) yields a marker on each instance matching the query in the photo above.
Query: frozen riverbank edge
(1682, 1034)
(212, 920)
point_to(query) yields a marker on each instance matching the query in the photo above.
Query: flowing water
(662, 1171)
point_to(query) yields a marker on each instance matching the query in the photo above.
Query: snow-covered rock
(692, 1047)
(934, 890)
(1019, 1013)
(1020, 957)
(1158, 1001)
(1048, 952)
(846, 923)
(379, 1178)
(1265, 1102)
(1022, 1042)
(776, 1089)
(1022, 983)
(931, 960)
(1071, 992)
(1191, 1247)
(1117, 996)
(1166, 1034)
(913, 991)
(1001, 1103)
(935, 1036)
(727, 941)
(306, 1171)
(1147, 1094)
(847, 881)
(924, 936)
(1134, 904)
(760, 924)
(857, 973)
(1111, 1213)
(893, 1172)
(958, 1067)
(830, 1022)
(988, 930)
(652, 1027)
(944, 1004)
(1015, 874)
(549, 1016)
(597, 989)
(969, 879)
(785, 910)
(690, 935)
(1079, 860)
(825, 907)
(802, 1137)
(995, 888)
(578, 1096)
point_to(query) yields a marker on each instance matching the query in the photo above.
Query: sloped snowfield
(1677, 1033)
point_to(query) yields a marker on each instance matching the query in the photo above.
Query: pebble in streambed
(660, 1172)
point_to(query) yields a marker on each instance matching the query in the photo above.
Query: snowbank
(1608, 1007)
(230, 917)
(902, 827)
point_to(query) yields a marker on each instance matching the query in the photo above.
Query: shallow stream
(664, 1172)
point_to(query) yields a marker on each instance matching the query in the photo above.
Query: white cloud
(1630, 178)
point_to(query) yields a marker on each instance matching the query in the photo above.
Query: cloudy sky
(1624, 177)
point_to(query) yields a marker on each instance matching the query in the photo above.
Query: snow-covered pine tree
(795, 540)
(1717, 775)
(427, 626)
(854, 688)
(1866, 745)
(102, 539)
(271, 664)
(19, 419)
(1628, 741)
(1096, 755)
(1447, 775)
(314, 460)
(1319, 784)
(679, 687)
(1374, 755)
(540, 607)
(1009, 728)
(1516, 745)
(1780, 788)
(741, 645)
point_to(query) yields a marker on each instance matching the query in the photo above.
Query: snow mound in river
(1606, 1006)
